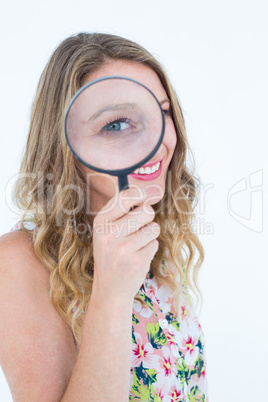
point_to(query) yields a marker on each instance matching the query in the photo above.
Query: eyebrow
(122, 106)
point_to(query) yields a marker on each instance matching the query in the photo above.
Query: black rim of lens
(117, 172)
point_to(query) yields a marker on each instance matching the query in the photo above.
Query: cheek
(105, 184)
(170, 138)
(100, 182)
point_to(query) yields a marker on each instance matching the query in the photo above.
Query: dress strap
(28, 224)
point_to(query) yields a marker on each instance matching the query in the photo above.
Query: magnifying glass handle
(123, 183)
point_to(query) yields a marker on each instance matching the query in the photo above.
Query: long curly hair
(51, 184)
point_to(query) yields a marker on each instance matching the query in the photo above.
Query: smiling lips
(151, 171)
(148, 169)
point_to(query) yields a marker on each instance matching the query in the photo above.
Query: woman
(90, 312)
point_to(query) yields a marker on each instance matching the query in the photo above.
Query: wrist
(110, 301)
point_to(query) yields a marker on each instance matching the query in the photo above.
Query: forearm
(102, 369)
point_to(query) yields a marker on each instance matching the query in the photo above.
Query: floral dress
(168, 350)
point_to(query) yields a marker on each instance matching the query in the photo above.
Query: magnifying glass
(114, 125)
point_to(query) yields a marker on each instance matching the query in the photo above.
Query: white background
(216, 54)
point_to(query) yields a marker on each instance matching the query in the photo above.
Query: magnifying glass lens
(113, 124)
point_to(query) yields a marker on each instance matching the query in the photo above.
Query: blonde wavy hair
(48, 168)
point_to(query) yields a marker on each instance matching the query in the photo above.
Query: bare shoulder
(17, 246)
(18, 261)
(37, 352)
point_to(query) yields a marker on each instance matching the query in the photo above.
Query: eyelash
(167, 112)
(117, 120)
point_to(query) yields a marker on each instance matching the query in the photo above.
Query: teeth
(148, 170)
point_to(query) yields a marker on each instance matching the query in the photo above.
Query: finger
(144, 236)
(133, 221)
(121, 203)
(148, 252)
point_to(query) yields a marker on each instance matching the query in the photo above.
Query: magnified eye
(117, 125)
(167, 112)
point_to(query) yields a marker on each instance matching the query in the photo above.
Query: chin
(155, 192)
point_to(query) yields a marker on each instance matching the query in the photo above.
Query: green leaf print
(133, 336)
(152, 375)
(200, 345)
(170, 317)
(187, 374)
(195, 395)
(135, 319)
(155, 335)
(139, 390)
(142, 387)
(176, 324)
(147, 300)
(173, 320)
(148, 376)
(181, 367)
(199, 365)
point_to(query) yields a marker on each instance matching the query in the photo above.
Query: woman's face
(103, 186)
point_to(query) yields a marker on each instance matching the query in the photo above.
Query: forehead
(136, 71)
